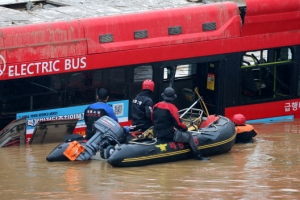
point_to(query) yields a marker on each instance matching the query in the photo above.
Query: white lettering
(35, 68)
(23, 69)
(44, 67)
(10, 70)
(28, 68)
(16, 71)
(67, 64)
(54, 66)
(50, 66)
(82, 60)
(77, 63)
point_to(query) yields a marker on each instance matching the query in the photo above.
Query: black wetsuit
(141, 110)
(165, 118)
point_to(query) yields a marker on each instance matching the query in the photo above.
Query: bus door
(206, 85)
(194, 78)
(179, 77)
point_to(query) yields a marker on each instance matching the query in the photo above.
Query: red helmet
(239, 119)
(148, 84)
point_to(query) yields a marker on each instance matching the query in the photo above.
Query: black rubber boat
(216, 138)
(76, 148)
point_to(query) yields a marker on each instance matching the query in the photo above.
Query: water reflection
(266, 169)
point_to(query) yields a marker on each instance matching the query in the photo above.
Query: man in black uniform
(141, 106)
(165, 118)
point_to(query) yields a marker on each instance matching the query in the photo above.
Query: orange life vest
(245, 133)
(245, 128)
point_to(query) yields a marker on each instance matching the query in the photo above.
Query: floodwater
(266, 169)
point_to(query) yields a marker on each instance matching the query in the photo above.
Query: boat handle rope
(146, 144)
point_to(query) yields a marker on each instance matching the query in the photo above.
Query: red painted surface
(59, 47)
(225, 15)
(269, 16)
(266, 110)
(43, 41)
(24, 47)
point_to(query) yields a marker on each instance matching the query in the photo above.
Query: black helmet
(169, 94)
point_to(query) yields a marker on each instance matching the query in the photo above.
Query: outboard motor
(108, 132)
(110, 129)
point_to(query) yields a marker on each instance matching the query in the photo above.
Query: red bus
(242, 59)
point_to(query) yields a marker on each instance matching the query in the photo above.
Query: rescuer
(97, 110)
(244, 132)
(166, 119)
(141, 106)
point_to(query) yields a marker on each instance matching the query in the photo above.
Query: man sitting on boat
(244, 132)
(165, 117)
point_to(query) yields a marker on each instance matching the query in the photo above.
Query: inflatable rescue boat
(216, 138)
(213, 135)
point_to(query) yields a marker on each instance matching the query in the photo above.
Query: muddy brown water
(266, 169)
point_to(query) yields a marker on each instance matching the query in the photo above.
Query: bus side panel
(43, 41)
(266, 110)
(271, 16)
(229, 79)
(2, 52)
(191, 19)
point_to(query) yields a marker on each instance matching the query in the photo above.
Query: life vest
(245, 133)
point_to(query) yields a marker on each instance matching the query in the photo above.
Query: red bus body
(65, 46)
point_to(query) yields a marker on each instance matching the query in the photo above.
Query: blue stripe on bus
(272, 119)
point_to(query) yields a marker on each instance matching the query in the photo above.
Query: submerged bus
(242, 59)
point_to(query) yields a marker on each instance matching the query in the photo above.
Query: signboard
(76, 112)
(210, 81)
(266, 110)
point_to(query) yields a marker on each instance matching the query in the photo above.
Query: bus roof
(24, 12)
(146, 37)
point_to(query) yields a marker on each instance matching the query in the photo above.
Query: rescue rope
(202, 104)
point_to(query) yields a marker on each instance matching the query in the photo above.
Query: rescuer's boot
(198, 156)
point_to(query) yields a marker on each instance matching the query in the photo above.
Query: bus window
(142, 73)
(56, 82)
(80, 88)
(97, 78)
(117, 84)
(117, 75)
(265, 74)
(255, 57)
(185, 70)
(285, 54)
(30, 94)
(13, 97)
(182, 82)
(75, 88)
